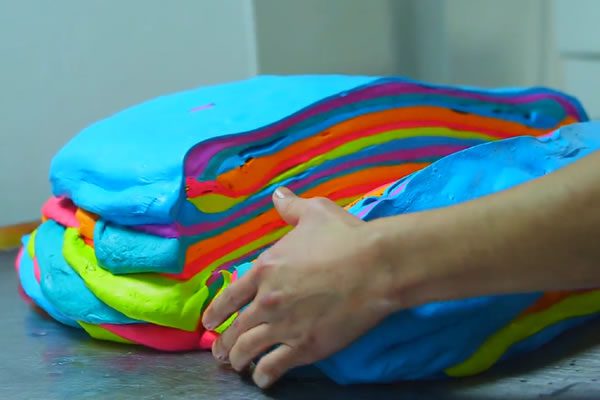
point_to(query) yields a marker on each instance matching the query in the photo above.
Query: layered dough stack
(154, 207)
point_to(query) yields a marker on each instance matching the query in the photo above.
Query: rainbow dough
(154, 207)
(194, 171)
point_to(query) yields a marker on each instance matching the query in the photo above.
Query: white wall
(578, 36)
(487, 42)
(335, 36)
(495, 43)
(67, 63)
(512, 43)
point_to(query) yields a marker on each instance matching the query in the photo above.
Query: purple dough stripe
(199, 156)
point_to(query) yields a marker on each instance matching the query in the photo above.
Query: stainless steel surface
(40, 359)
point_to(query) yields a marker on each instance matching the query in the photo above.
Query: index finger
(234, 297)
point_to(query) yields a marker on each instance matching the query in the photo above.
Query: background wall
(335, 36)
(578, 43)
(67, 63)
(511, 43)
(487, 42)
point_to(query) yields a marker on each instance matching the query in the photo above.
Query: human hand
(311, 294)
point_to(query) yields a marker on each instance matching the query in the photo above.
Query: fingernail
(279, 193)
(218, 353)
(208, 325)
(261, 380)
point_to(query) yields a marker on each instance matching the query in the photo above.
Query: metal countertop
(40, 359)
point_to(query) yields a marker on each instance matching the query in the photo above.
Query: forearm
(539, 236)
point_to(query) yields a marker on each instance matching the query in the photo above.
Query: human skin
(309, 294)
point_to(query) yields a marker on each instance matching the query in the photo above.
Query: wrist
(398, 244)
(422, 257)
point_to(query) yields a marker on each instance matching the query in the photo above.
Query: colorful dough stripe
(158, 208)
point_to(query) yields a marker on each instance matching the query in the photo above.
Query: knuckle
(322, 201)
(304, 357)
(244, 344)
(240, 322)
(311, 339)
(232, 295)
(286, 207)
(226, 296)
(303, 346)
(319, 203)
(229, 301)
(309, 345)
(271, 300)
(230, 335)
(263, 267)
(263, 258)
(235, 325)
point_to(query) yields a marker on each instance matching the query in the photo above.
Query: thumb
(289, 206)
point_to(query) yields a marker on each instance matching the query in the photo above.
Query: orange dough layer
(257, 172)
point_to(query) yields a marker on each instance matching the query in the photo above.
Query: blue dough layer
(489, 168)
(140, 180)
(125, 251)
(63, 287)
(31, 287)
